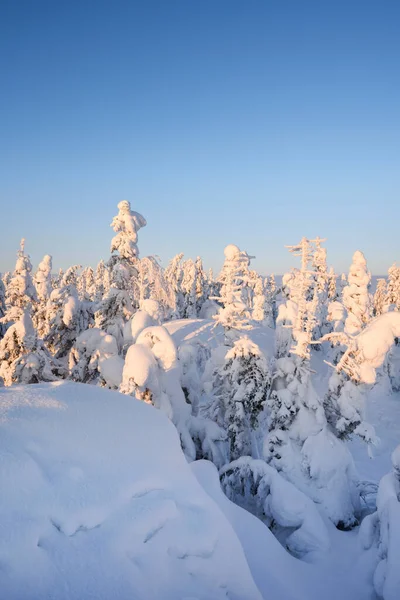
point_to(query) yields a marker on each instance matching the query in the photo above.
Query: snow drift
(98, 501)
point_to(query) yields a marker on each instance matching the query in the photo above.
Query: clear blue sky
(222, 121)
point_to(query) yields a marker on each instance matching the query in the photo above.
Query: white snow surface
(98, 501)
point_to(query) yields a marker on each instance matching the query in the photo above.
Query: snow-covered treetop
(366, 351)
(356, 297)
(43, 277)
(20, 290)
(126, 224)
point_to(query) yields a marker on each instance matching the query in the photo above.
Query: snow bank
(382, 530)
(98, 501)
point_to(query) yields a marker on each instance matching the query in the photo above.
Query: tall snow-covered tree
(150, 283)
(202, 289)
(356, 297)
(43, 284)
(102, 281)
(380, 298)
(174, 276)
(66, 316)
(42, 278)
(117, 305)
(189, 289)
(262, 304)
(393, 287)
(240, 389)
(332, 285)
(235, 314)
(20, 291)
(126, 224)
(86, 285)
(57, 279)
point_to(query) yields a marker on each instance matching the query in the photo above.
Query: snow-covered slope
(97, 501)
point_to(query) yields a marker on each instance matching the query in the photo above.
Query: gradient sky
(222, 121)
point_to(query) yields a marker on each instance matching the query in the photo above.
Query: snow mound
(95, 487)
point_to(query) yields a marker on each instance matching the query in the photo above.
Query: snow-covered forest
(288, 387)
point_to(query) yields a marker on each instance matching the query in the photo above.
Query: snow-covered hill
(98, 501)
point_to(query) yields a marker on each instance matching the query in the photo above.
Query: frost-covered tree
(126, 224)
(262, 304)
(300, 445)
(150, 284)
(202, 288)
(240, 389)
(42, 278)
(356, 297)
(174, 276)
(20, 291)
(124, 249)
(393, 286)
(332, 285)
(380, 298)
(43, 284)
(66, 316)
(94, 359)
(189, 289)
(86, 285)
(23, 356)
(57, 279)
(102, 281)
(235, 314)
(116, 306)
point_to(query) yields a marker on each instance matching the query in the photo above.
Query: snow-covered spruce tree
(150, 284)
(57, 279)
(380, 298)
(23, 356)
(262, 305)
(20, 291)
(300, 443)
(240, 389)
(356, 297)
(174, 276)
(124, 249)
(117, 305)
(66, 316)
(189, 289)
(332, 285)
(94, 359)
(393, 287)
(234, 315)
(102, 281)
(43, 284)
(202, 288)
(322, 281)
(86, 285)
(42, 278)
(300, 316)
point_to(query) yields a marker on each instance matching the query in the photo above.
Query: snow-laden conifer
(20, 291)
(356, 297)
(23, 356)
(235, 314)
